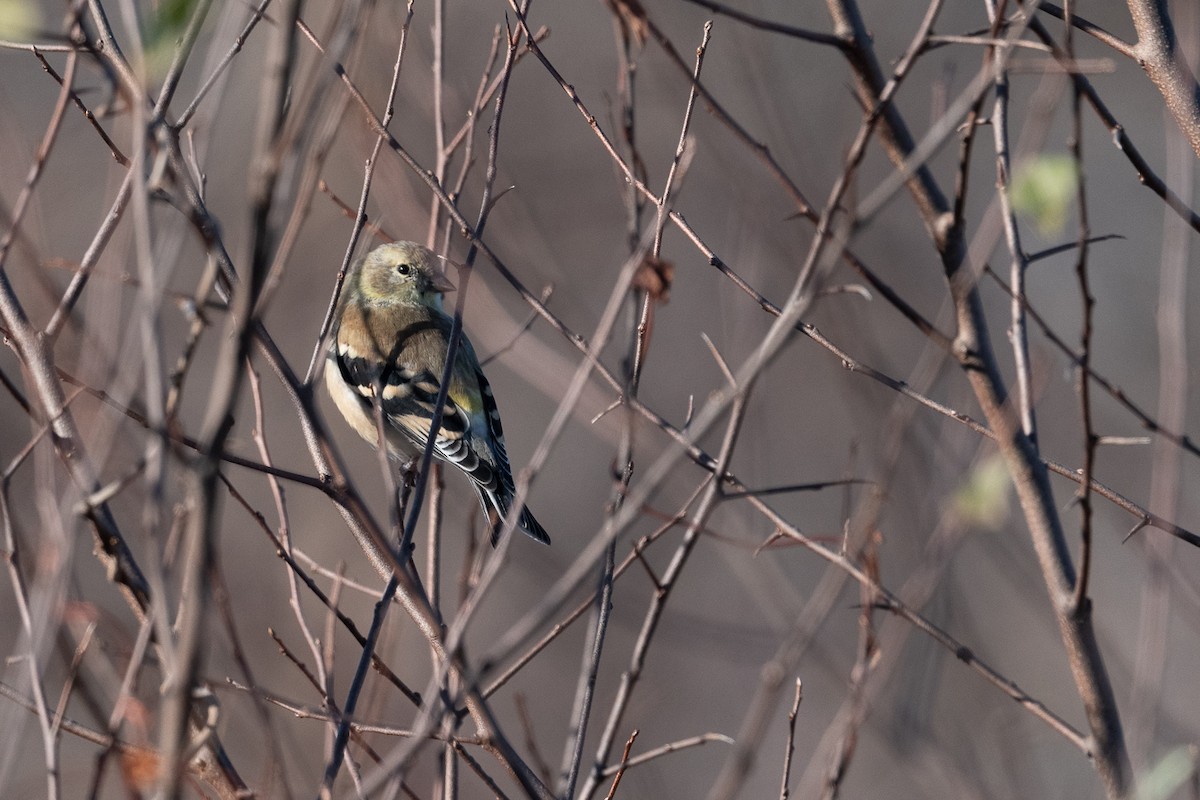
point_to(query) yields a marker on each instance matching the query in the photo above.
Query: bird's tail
(495, 508)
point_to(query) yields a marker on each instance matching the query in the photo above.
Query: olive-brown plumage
(389, 346)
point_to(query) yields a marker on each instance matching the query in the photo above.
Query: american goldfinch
(389, 346)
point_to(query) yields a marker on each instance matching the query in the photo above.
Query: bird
(388, 346)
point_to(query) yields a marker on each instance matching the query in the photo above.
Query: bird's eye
(404, 269)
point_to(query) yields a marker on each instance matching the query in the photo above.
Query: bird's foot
(408, 474)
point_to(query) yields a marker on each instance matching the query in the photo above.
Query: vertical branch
(464, 276)
(1028, 472)
(784, 790)
(304, 143)
(1171, 322)
(37, 362)
(398, 497)
(266, 163)
(259, 435)
(449, 776)
(1158, 54)
(585, 688)
(663, 213)
(203, 512)
(465, 138)
(360, 216)
(1084, 495)
(437, 74)
(1017, 332)
(32, 639)
(680, 446)
(433, 570)
(449, 722)
(342, 735)
(447, 657)
(36, 357)
(856, 705)
(635, 360)
(627, 95)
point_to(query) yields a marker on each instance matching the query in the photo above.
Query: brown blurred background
(934, 728)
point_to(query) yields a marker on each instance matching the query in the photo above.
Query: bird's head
(403, 272)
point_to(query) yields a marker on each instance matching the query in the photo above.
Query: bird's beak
(440, 280)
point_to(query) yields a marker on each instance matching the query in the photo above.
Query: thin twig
(1018, 333)
(620, 773)
(657, 606)
(31, 636)
(117, 155)
(784, 791)
(667, 749)
(1147, 176)
(255, 17)
(803, 34)
(1091, 29)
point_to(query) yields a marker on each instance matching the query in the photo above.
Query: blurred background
(743, 620)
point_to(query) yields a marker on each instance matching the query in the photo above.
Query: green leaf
(982, 500)
(19, 20)
(163, 31)
(1165, 777)
(1044, 189)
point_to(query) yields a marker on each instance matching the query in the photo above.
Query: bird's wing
(494, 430)
(406, 381)
(410, 390)
(409, 398)
(393, 354)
